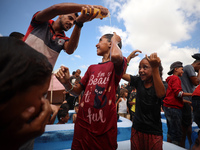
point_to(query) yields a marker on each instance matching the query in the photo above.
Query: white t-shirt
(123, 106)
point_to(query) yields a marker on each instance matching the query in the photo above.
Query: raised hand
(154, 60)
(132, 55)
(115, 38)
(63, 75)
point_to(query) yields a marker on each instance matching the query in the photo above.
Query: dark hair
(20, 68)
(17, 35)
(122, 91)
(109, 37)
(76, 14)
(63, 111)
(73, 73)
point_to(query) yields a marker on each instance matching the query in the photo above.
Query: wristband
(70, 89)
(79, 24)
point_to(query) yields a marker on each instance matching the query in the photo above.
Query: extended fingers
(89, 13)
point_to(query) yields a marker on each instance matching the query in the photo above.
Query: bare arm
(58, 9)
(65, 8)
(132, 55)
(71, 45)
(187, 94)
(126, 77)
(158, 84)
(115, 52)
(119, 100)
(196, 79)
(63, 76)
(185, 101)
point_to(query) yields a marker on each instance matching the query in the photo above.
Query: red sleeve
(31, 26)
(85, 78)
(120, 70)
(176, 86)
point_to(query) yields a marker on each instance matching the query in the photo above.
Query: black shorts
(186, 115)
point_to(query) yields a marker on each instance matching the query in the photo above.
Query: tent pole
(51, 90)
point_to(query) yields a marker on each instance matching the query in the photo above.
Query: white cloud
(1, 35)
(77, 56)
(156, 26)
(84, 66)
(113, 5)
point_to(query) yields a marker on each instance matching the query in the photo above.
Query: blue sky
(169, 27)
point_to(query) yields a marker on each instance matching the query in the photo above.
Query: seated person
(63, 114)
(55, 109)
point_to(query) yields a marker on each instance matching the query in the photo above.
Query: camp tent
(55, 91)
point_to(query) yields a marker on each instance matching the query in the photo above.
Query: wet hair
(160, 67)
(78, 70)
(21, 67)
(78, 80)
(63, 111)
(17, 35)
(123, 91)
(65, 106)
(76, 14)
(109, 37)
(73, 73)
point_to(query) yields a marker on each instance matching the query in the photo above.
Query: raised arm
(115, 52)
(69, 8)
(63, 76)
(157, 81)
(65, 8)
(133, 54)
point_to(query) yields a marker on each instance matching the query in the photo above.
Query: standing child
(132, 102)
(173, 103)
(147, 127)
(122, 102)
(96, 123)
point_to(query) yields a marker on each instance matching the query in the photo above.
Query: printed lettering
(94, 117)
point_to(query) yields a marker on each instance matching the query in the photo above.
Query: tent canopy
(55, 85)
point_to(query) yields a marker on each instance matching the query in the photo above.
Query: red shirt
(174, 87)
(42, 37)
(196, 91)
(97, 117)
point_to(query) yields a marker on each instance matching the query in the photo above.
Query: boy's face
(22, 101)
(77, 74)
(103, 47)
(179, 71)
(126, 94)
(66, 118)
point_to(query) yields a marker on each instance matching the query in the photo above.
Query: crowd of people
(27, 62)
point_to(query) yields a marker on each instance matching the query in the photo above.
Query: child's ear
(60, 16)
(109, 44)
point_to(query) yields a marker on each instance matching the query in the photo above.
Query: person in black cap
(173, 103)
(189, 80)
